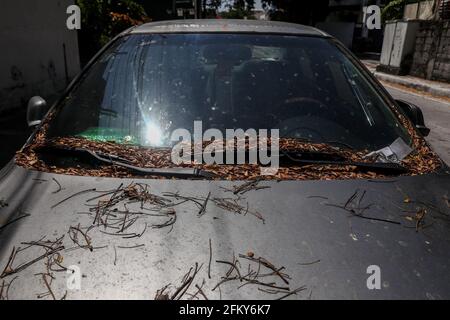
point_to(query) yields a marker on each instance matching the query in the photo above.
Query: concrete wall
(38, 53)
(421, 10)
(432, 51)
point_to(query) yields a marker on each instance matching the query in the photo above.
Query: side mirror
(415, 115)
(36, 109)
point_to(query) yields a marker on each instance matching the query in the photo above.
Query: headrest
(221, 53)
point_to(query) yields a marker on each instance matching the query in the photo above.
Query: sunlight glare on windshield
(153, 134)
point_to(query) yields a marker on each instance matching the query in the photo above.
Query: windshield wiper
(323, 158)
(359, 96)
(110, 159)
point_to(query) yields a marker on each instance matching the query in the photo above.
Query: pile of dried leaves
(422, 160)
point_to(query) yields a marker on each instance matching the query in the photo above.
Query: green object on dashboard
(108, 134)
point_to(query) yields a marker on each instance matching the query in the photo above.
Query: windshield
(145, 86)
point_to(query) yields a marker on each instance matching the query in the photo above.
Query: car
(94, 206)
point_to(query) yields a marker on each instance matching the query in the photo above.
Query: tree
(210, 8)
(239, 9)
(304, 12)
(101, 20)
(393, 10)
(158, 9)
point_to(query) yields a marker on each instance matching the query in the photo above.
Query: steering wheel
(333, 133)
(300, 132)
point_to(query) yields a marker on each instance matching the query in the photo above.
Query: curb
(436, 90)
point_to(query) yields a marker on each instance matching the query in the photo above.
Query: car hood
(351, 239)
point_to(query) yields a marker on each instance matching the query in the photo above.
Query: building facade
(39, 55)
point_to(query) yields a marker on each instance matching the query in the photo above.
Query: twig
(160, 295)
(257, 282)
(233, 265)
(184, 198)
(44, 277)
(248, 186)
(4, 290)
(132, 247)
(168, 223)
(59, 186)
(354, 214)
(357, 210)
(58, 260)
(9, 286)
(73, 234)
(302, 288)
(26, 265)
(185, 285)
(201, 291)
(318, 197)
(102, 195)
(350, 200)
(14, 220)
(203, 207)
(272, 291)
(223, 281)
(108, 203)
(1, 291)
(124, 235)
(72, 196)
(309, 263)
(268, 265)
(8, 268)
(210, 258)
(233, 206)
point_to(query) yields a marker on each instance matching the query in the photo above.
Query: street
(437, 118)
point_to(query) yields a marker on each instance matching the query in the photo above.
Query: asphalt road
(437, 118)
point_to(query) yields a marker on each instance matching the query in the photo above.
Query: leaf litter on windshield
(422, 160)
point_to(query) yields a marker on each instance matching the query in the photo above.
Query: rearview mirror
(36, 109)
(414, 114)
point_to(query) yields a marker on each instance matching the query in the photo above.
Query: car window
(145, 86)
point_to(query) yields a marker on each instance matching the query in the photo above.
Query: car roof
(225, 26)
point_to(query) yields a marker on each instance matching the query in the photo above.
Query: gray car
(93, 207)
